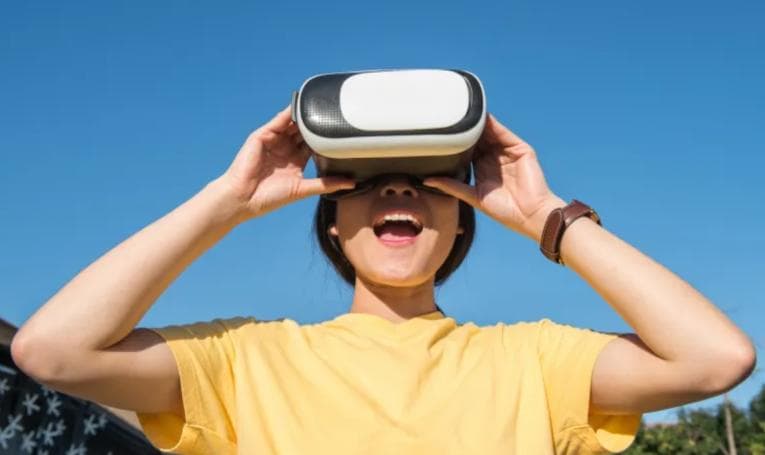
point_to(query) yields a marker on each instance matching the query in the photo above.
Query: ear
(332, 230)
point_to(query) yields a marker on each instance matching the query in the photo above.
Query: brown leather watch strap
(557, 222)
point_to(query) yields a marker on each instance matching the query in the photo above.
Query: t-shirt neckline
(373, 317)
(366, 322)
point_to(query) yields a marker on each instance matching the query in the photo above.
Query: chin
(397, 277)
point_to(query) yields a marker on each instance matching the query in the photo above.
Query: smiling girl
(393, 375)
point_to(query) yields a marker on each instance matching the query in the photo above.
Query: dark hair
(326, 210)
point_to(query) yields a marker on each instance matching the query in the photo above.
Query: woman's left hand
(510, 186)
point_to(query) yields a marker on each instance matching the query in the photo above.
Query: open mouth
(397, 228)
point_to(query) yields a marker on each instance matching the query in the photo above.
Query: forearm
(105, 301)
(673, 319)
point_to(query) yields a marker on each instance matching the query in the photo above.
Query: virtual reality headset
(415, 122)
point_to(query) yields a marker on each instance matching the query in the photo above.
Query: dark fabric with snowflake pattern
(36, 420)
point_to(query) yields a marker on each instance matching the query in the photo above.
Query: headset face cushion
(366, 185)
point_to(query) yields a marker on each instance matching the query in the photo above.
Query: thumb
(321, 185)
(454, 188)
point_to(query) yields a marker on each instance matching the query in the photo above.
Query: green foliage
(757, 406)
(703, 432)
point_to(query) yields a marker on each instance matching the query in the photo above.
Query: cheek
(348, 218)
(446, 229)
(350, 223)
(448, 218)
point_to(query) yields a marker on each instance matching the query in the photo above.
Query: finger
(292, 129)
(304, 149)
(297, 139)
(268, 136)
(321, 185)
(303, 155)
(497, 132)
(454, 188)
(279, 122)
(252, 145)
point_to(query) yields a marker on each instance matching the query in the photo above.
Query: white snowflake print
(49, 432)
(53, 403)
(29, 403)
(4, 387)
(80, 449)
(92, 425)
(28, 442)
(47, 391)
(10, 430)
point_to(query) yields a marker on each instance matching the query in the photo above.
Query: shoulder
(513, 336)
(525, 329)
(545, 330)
(549, 324)
(222, 327)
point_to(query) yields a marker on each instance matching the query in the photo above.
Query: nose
(398, 186)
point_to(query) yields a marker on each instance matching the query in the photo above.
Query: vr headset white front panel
(405, 99)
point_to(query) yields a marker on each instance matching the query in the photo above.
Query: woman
(394, 374)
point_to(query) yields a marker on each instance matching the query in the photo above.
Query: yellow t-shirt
(360, 384)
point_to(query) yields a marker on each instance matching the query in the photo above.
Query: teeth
(400, 217)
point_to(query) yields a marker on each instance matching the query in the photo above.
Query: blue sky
(113, 113)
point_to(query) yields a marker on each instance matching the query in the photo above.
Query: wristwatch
(557, 222)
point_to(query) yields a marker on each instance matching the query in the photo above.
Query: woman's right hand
(267, 173)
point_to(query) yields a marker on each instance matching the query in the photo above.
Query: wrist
(537, 221)
(228, 208)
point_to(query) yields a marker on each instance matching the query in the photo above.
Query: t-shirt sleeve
(205, 357)
(567, 357)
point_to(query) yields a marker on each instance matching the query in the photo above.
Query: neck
(395, 304)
